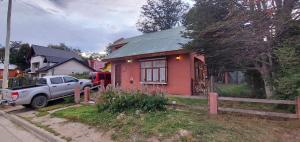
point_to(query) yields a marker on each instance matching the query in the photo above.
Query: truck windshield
(41, 81)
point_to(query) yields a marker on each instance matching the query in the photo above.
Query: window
(69, 79)
(41, 81)
(56, 80)
(154, 71)
(101, 76)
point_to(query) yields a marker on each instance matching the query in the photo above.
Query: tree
(96, 56)
(19, 53)
(19, 56)
(243, 36)
(160, 15)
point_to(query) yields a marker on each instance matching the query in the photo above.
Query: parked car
(96, 78)
(46, 89)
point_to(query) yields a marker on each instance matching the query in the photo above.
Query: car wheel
(39, 102)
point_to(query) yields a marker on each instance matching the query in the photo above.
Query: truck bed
(25, 87)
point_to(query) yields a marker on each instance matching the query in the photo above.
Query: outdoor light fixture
(178, 57)
(129, 61)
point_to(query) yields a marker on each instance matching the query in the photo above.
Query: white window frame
(144, 74)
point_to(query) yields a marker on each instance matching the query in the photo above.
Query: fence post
(213, 103)
(298, 106)
(77, 94)
(87, 91)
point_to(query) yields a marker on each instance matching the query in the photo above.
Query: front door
(118, 75)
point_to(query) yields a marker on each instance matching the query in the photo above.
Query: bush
(123, 101)
(233, 90)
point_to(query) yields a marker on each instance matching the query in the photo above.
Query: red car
(96, 78)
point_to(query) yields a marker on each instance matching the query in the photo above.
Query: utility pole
(7, 48)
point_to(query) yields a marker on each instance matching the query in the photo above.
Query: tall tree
(244, 35)
(160, 15)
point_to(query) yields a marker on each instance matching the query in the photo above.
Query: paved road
(9, 132)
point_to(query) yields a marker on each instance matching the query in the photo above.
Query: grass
(55, 105)
(234, 90)
(256, 106)
(231, 104)
(188, 101)
(166, 125)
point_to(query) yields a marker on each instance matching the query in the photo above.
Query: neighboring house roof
(96, 65)
(162, 41)
(54, 55)
(10, 66)
(60, 63)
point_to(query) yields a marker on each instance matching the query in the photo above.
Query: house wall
(37, 59)
(69, 68)
(179, 75)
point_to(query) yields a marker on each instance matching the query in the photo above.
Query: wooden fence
(214, 108)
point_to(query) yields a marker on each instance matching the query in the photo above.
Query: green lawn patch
(187, 101)
(166, 125)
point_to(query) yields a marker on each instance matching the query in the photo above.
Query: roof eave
(180, 51)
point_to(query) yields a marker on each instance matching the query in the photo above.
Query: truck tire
(39, 101)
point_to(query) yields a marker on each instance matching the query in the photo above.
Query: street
(9, 132)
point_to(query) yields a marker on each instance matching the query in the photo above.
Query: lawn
(183, 125)
(188, 101)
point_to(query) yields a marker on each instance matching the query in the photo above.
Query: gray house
(48, 61)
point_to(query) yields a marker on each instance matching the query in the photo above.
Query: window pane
(149, 75)
(101, 76)
(56, 80)
(155, 75)
(160, 63)
(143, 75)
(162, 74)
(69, 79)
(146, 64)
(41, 81)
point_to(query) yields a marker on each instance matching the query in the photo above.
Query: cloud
(86, 24)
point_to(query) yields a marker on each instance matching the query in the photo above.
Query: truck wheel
(39, 102)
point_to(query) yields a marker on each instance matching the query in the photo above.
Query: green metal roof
(162, 41)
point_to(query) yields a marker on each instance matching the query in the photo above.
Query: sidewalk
(9, 132)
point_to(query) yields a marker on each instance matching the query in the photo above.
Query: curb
(38, 132)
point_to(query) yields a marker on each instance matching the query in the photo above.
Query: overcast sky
(85, 24)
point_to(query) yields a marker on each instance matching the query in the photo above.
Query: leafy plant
(114, 101)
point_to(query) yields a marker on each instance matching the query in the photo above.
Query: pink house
(158, 59)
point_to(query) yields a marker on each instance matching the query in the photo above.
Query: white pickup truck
(47, 88)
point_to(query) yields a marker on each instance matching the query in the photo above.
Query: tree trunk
(267, 77)
(268, 88)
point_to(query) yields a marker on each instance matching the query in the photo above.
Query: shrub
(233, 90)
(115, 101)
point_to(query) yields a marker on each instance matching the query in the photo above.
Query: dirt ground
(70, 131)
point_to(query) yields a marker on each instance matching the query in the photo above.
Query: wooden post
(298, 106)
(87, 91)
(102, 86)
(213, 103)
(77, 94)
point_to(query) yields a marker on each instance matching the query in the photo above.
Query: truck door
(57, 87)
(70, 84)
